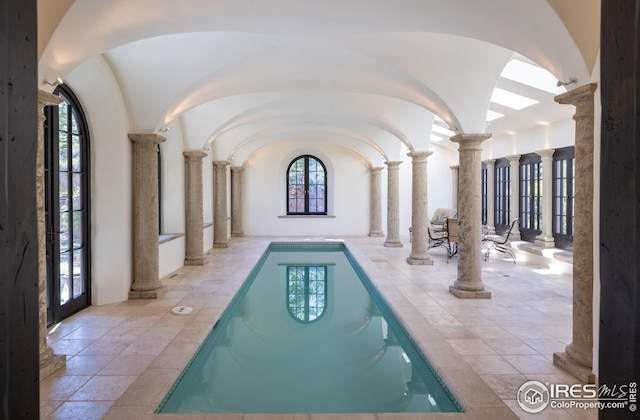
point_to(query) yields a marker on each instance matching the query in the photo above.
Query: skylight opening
(531, 75)
(493, 115)
(435, 137)
(511, 100)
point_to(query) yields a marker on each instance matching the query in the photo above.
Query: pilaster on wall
(469, 283)
(236, 201)
(393, 204)
(375, 203)
(545, 239)
(146, 271)
(194, 215)
(578, 356)
(220, 237)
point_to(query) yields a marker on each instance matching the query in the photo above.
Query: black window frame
(530, 200)
(502, 199)
(306, 185)
(484, 192)
(562, 189)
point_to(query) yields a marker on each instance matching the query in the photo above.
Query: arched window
(306, 186)
(306, 292)
(67, 209)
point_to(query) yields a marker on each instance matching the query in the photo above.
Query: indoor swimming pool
(308, 333)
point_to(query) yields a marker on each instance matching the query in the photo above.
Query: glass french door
(67, 208)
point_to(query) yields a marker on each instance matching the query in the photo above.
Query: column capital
(146, 138)
(470, 141)
(393, 163)
(513, 158)
(454, 167)
(489, 162)
(417, 155)
(546, 153)
(194, 155)
(237, 168)
(45, 98)
(577, 95)
(376, 169)
(220, 164)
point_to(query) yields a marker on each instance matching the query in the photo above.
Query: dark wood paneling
(619, 355)
(19, 370)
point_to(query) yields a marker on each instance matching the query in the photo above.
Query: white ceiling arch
(190, 60)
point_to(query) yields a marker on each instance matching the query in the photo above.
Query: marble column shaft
(236, 200)
(393, 204)
(375, 203)
(455, 178)
(146, 270)
(49, 362)
(220, 237)
(579, 353)
(491, 193)
(514, 194)
(545, 239)
(469, 282)
(194, 211)
(419, 217)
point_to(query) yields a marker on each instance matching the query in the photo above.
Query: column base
(545, 241)
(221, 245)
(148, 294)
(575, 369)
(58, 362)
(195, 261)
(419, 261)
(376, 234)
(469, 294)
(389, 244)
(237, 234)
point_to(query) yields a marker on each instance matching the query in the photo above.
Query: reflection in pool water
(307, 333)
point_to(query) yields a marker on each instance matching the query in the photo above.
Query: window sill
(307, 216)
(166, 237)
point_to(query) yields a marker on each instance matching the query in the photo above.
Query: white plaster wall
(555, 135)
(440, 178)
(173, 182)
(207, 201)
(265, 188)
(111, 218)
(171, 256)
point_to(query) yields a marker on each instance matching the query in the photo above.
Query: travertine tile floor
(122, 358)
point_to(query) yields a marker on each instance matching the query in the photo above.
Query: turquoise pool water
(308, 333)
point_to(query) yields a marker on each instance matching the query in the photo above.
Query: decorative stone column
(220, 237)
(236, 201)
(545, 239)
(578, 356)
(146, 270)
(419, 218)
(455, 177)
(469, 283)
(491, 194)
(375, 203)
(514, 194)
(49, 362)
(393, 204)
(194, 216)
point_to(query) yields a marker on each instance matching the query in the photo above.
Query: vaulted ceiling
(370, 74)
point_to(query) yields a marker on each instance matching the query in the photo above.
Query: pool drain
(182, 310)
